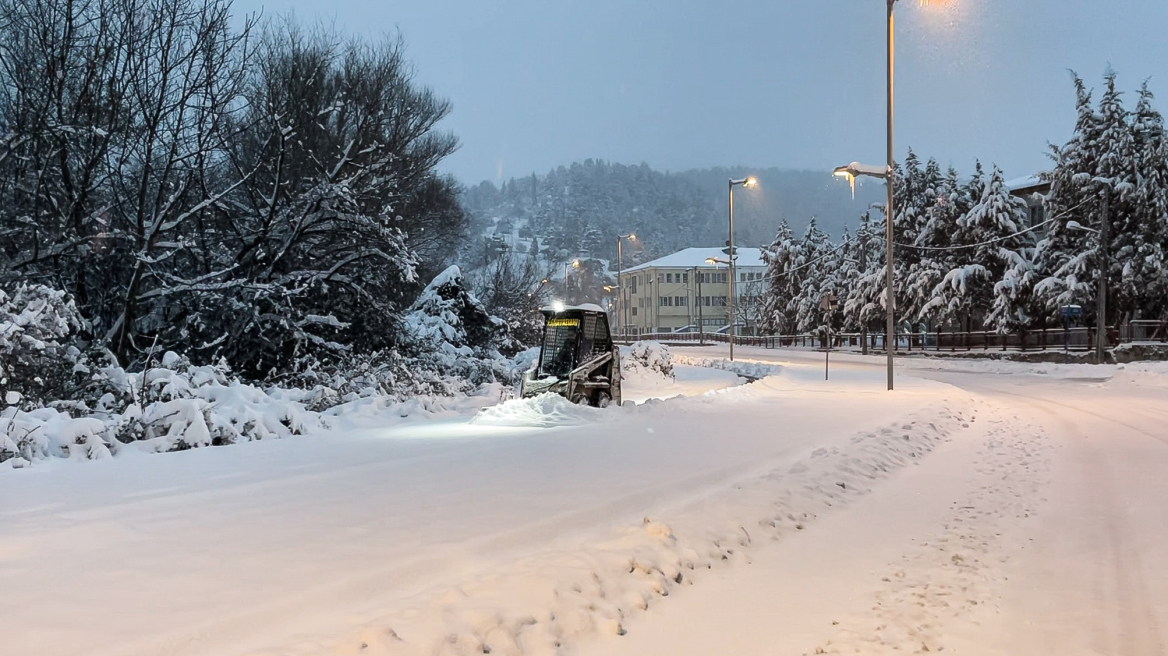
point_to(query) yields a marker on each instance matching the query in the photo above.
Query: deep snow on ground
(976, 512)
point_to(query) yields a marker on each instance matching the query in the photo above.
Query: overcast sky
(800, 84)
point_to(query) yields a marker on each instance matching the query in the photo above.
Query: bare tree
(118, 108)
(188, 184)
(514, 288)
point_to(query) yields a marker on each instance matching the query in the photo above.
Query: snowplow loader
(577, 358)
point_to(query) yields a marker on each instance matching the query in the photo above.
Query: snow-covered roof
(696, 257)
(586, 307)
(1027, 182)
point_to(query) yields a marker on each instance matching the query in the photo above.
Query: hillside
(580, 209)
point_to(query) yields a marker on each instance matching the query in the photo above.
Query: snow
(689, 258)
(1025, 182)
(586, 307)
(969, 511)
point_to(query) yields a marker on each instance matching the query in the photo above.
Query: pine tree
(938, 232)
(1065, 258)
(1144, 275)
(865, 304)
(780, 258)
(991, 245)
(812, 277)
(866, 286)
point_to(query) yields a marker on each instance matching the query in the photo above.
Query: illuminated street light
(852, 171)
(748, 182)
(620, 239)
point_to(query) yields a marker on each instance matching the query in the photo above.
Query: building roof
(696, 257)
(1028, 185)
(586, 307)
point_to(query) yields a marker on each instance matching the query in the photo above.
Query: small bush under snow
(647, 357)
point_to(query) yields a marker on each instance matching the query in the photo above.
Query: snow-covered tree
(989, 243)
(1143, 252)
(782, 285)
(1065, 260)
(34, 323)
(864, 306)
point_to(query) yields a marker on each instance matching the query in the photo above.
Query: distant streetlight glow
(620, 240)
(748, 182)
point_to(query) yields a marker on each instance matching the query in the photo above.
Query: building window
(665, 301)
(681, 301)
(685, 278)
(660, 277)
(635, 314)
(720, 301)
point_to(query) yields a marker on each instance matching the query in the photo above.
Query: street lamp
(851, 172)
(620, 239)
(748, 183)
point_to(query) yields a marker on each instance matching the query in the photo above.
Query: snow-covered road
(982, 509)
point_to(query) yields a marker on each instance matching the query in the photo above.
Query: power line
(993, 241)
(930, 248)
(807, 264)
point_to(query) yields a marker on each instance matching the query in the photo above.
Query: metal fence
(1073, 339)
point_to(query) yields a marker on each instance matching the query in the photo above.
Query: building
(684, 290)
(1033, 190)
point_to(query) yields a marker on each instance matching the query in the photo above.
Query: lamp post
(747, 183)
(851, 172)
(888, 179)
(620, 285)
(698, 302)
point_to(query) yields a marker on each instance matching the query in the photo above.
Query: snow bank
(543, 411)
(741, 367)
(652, 358)
(170, 407)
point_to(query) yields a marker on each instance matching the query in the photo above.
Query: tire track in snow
(1136, 629)
(549, 601)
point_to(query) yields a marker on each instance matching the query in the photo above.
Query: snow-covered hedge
(65, 402)
(651, 357)
(170, 407)
(34, 322)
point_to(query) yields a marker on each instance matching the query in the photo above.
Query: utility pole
(730, 247)
(890, 339)
(1104, 268)
(864, 269)
(701, 322)
(620, 286)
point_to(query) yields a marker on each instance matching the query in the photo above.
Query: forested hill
(580, 209)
